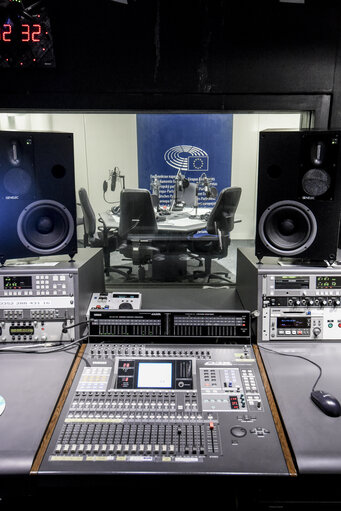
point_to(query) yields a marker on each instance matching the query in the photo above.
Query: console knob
(316, 331)
(238, 431)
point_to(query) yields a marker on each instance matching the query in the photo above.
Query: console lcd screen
(291, 282)
(293, 322)
(154, 375)
(21, 282)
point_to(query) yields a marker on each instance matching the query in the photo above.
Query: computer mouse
(326, 402)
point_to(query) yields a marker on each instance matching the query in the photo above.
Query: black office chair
(137, 231)
(188, 195)
(214, 243)
(103, 237)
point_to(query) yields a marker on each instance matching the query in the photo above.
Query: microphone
(179, 179)
(206, 187)
(210, 191)
(113, 180)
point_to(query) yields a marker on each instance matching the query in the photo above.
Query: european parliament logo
(185, 157)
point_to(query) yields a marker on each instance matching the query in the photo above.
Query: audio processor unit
(38, 299)
(294, 302)
(163, 408)
(106, 321)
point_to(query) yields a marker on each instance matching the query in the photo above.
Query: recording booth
(170, 279)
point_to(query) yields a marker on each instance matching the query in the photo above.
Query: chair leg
(106, 255)
(125, 271)
(141, 273)
(220, 275)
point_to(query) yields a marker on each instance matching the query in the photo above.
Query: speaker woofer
(45, 227)
(287, 228)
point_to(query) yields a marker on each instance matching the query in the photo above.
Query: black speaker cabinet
(37, 195)
(299, 194)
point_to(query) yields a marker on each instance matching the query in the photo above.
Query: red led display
(29, 33)
(25, 35)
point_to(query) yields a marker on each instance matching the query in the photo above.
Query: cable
(49, 348)
(63, 347)
(297, 356)
(65, 328)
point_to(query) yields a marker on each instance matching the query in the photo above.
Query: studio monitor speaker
(299, 194)
(37, 195)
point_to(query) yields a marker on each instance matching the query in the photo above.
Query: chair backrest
(222, 214)
(188, 195)
(88, 213)
(137, 215)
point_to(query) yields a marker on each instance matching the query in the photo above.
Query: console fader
(160, 408)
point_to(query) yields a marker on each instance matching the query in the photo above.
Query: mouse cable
(297, 356)
(42, 348)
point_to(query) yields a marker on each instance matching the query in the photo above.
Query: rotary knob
(238, 431)
(316, 331)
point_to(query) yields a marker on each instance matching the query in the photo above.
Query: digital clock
(29, 33)
(25, 35)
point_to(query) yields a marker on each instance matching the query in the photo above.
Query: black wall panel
(110, 55)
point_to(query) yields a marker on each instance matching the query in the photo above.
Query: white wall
(105, 141)
(101, 142)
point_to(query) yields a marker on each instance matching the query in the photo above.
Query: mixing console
(165, 408)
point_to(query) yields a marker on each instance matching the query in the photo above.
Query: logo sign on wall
(166, 160)
(186, 158)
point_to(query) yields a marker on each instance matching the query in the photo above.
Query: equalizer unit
(110, 322)
(164, 408)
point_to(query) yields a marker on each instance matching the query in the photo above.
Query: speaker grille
(45, 227)
(316, 182)
(287, 228)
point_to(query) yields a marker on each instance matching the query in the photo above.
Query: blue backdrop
(194, 144)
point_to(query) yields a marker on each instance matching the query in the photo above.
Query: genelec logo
(12, 197)
(186, 157)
